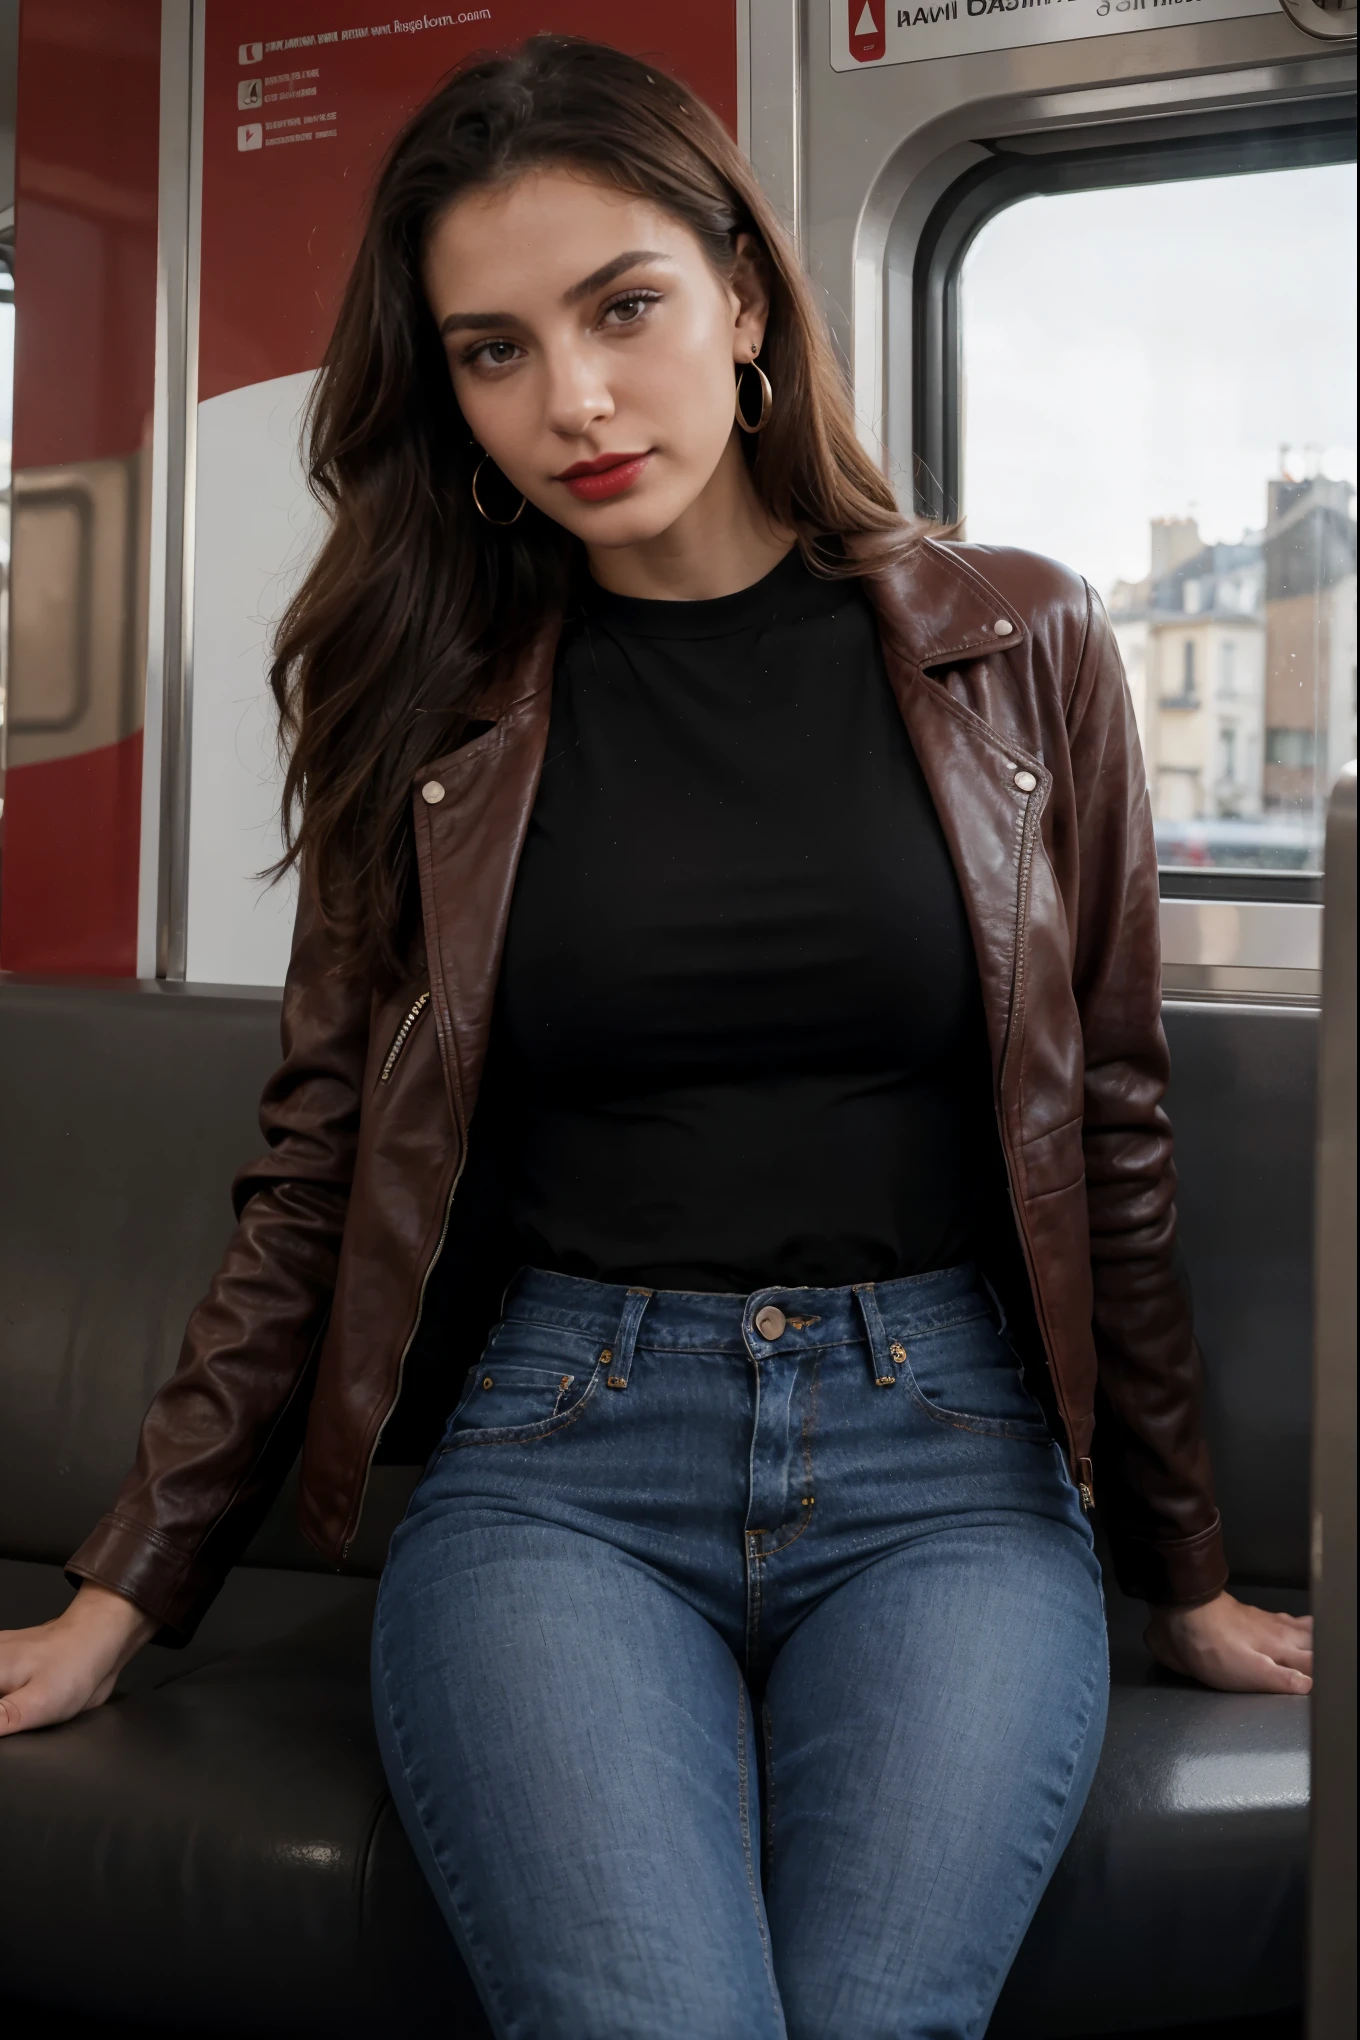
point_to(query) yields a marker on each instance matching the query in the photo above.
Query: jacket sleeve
(1153, 1480)
(222, 1432)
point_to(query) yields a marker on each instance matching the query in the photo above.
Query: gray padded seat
(217, 1847)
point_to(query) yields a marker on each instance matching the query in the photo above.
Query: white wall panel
(256, 527)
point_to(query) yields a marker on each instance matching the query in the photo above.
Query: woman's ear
(750, 288)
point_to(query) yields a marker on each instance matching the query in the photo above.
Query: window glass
(1159, 388)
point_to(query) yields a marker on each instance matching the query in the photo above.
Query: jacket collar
(935, 608)
(530, 675)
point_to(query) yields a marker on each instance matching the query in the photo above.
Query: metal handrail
(1332, 1962)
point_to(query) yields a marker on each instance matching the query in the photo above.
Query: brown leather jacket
(1008, 679)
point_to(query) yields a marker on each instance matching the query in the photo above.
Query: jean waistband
(682, 1320)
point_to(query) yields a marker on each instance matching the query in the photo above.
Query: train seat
(216, 1847)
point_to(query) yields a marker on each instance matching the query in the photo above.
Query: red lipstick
(595, 481)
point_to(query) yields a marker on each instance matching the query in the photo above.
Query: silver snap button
(432, 791)
(770, 1321)
(1003, 626)
(1026, 781)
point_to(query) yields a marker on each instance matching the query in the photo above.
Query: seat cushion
(1181, 1898)
(221, 1846)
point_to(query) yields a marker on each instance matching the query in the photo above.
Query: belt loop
(881, 1357)
(619, 1357)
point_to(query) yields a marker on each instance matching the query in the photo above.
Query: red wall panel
(84, 372)
(71, 910)
(282, 218)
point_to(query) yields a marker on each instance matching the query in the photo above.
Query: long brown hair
(414, 604)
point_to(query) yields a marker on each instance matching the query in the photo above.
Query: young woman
(728, 958)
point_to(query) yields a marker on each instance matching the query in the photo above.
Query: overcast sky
(1146, 352)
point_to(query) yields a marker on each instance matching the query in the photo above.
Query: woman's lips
(594, 481)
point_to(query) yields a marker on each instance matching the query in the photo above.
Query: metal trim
(1217, 985)
(776, 99)
(743, 26)
(1265, 951)
(1242, 934)
(1325, 20)
(165, 519)
(1332, 1867)
(162, 921)
(1071, 160)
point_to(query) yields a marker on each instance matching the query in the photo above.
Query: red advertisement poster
(300, 102)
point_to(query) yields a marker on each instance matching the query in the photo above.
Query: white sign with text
(867, 33)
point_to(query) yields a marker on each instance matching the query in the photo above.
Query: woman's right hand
(66, 1666)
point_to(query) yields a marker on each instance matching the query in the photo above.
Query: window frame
(1303, 135)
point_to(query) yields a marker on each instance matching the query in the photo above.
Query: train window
(1158, 385)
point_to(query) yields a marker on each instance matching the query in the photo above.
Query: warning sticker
(865, 33)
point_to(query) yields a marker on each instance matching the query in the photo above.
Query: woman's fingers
(47, 1675)
(30, 1705)
(1235, 1647)
(1262, 1674)
(1287, 1650)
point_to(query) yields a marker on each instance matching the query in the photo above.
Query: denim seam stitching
(982, 1427)
(473, 1939)
(754, 1587)
(767, 1783)
(744, 1818)
(522, 1434)
(776, 1549)
(1001, 1968)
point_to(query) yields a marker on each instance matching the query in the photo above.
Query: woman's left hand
(1234, 1647)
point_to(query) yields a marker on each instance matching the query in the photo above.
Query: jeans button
(770, 1321)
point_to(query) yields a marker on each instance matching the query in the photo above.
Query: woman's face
(592, 349)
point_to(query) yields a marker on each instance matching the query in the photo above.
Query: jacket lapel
(471, 813)
(934, 611)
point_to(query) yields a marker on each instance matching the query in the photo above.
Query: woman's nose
(578, 394)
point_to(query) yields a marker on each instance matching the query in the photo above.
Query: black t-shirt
(739, 1008)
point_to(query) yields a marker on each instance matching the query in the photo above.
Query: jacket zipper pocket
(1081, 1469)
(402, 1036)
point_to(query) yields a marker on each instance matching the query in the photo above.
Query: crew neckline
(789, 593)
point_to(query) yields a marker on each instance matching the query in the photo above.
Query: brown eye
(490, 354)
(626, 311)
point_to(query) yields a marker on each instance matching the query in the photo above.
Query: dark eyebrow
(477, 322)
(483, 322)
(598, 278)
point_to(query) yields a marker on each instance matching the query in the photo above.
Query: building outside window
(1227, 666)
(1192, 452)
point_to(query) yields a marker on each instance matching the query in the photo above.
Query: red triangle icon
(868, 35)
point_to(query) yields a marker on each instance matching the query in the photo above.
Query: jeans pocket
(511, 1400)
(969, 1375)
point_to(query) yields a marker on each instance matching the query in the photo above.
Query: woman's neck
(724, 542)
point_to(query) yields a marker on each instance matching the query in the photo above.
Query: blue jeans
(733, 1686)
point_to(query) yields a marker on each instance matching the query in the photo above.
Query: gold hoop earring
(766, 398)
(504, 522)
